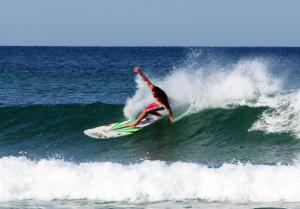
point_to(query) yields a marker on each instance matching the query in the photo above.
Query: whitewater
(149, 181)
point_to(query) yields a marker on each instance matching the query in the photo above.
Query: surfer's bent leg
(141, 117)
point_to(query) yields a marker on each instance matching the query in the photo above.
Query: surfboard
(118, 129)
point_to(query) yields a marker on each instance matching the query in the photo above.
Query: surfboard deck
(118, 129)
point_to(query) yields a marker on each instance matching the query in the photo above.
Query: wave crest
(283, 116)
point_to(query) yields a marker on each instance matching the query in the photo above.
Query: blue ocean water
(235, 142)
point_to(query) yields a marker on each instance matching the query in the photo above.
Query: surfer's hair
(159, 93)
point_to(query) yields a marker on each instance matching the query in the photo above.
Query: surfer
(161, 102)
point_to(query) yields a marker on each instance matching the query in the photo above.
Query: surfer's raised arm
(148, 82)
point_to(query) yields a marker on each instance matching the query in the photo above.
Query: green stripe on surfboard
(120, 125)
(124, 130)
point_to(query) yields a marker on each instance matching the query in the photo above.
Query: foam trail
(149, 181)
(209, 88)
(283, 116)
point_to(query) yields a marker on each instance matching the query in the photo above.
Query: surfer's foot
(132, 125)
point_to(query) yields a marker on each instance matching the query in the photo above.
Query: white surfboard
(118, 129)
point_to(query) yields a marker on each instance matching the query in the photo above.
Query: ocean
(235, 142)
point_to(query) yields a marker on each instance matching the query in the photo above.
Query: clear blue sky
(150, 22)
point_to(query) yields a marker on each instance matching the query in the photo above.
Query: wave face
(236, 137)
(212, 135)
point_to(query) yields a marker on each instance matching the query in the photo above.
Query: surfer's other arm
(148, 82)
(170, 113)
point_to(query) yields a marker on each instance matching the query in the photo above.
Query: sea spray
(195, 90)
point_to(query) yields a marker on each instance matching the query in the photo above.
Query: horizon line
(151, 46)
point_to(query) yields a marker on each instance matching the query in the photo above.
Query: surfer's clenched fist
(137, 69)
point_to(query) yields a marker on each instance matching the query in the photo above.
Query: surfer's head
(157, 92)
(160, 95)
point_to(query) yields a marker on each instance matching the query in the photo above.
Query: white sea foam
(283, 115)
(209, 88)
(149, 181)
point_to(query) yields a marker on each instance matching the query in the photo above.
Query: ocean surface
(235, 143)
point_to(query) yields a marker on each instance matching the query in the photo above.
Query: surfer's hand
(171, 119)
(137, 69)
